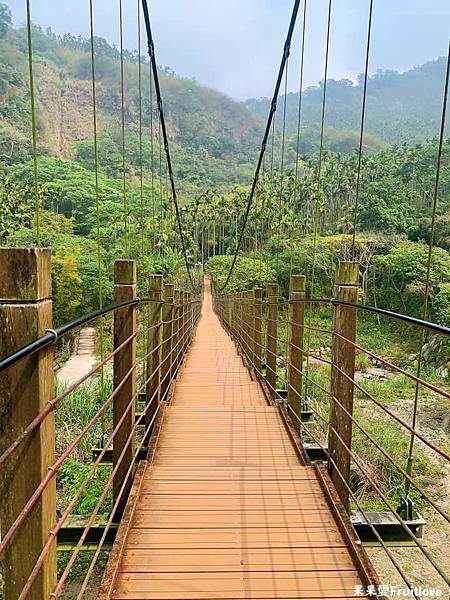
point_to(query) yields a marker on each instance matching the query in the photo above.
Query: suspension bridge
(226, 480)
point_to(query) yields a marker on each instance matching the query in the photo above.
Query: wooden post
(167, 318)
(184, 326)
(154, 348)
(249, 326)
(124, 326)
(296, 334)
(257, 329)
(25, 389)
(238, 317)
(343, 359)
(243, 313)
(176, 331)
(272, 334)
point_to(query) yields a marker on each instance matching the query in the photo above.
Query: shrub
(248, 273)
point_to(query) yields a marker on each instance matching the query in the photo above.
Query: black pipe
(51, 337)
(380, 311)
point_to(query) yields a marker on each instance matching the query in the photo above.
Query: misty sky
(235, 45)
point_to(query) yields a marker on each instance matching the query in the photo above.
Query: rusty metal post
(272, 335)
(342, 387)
(125, 325)
(257, 330)
(25, 389)
(296, 335)
(167, 322)
(152, 390)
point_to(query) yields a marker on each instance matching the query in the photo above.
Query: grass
(72, 415)
(394, 391)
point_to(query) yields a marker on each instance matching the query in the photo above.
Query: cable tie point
(53, 332)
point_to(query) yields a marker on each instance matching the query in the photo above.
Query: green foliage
(68, 292)
(401, 276)
(248, 273)
(74, 267)
(403, 107)
(5, 19)
(298, 255)
(441, 305)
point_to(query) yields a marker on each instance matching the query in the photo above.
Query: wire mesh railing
(360, 408)
(149, 338)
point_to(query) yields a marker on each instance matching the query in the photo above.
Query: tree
(5, 19)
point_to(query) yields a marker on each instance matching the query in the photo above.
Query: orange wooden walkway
(226, 509)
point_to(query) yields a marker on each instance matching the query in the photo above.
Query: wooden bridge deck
(225, 509)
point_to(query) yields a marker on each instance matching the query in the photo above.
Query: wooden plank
(249, 473)
(229, 585)
(230, 487)
(250, 537)
(231, 518)
(224, 502)
(253, 559)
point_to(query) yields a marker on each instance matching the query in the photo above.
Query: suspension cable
(152, 160)
(297, 158)
(273, 108)
(97, 200)
(283, 154)
(141, 166)
(151, 51)
(361, 131)
(122, 115)
(319, 180)
(33, 127)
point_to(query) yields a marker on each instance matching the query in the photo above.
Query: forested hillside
(401, 108)
(214, 139)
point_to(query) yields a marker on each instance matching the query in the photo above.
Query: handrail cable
(151, 51)
(273, 108)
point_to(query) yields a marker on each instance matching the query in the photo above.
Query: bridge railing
(375, 456)
(150, 337)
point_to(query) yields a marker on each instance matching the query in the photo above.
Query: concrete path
(82, 359)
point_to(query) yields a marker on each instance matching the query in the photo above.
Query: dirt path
(82, 358)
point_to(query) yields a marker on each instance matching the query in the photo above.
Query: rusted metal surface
(226, 508)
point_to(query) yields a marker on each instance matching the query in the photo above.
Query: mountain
(214, 139)
(401, 107)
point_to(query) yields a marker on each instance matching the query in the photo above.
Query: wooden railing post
(177, 331)
(257, 330)
(184, 329)
(342, 388)
(296, 335)
(249, 325)
(272, 334)
(167, 318)
(124, 361)
(152, 390)
(239, 317)
(25, 389)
